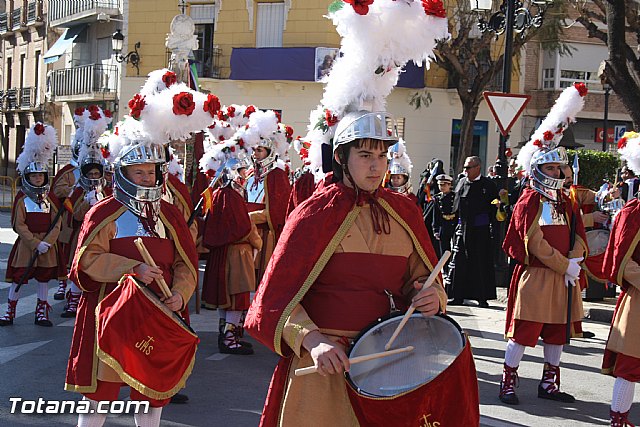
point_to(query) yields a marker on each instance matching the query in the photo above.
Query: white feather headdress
(39, 146)
(173, 165)
(629, 149)
(399, 159)
(550, 132)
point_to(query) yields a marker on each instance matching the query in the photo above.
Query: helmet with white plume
(38, 150)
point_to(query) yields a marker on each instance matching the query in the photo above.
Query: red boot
(549, 387)
(230, 343)
(62, 287)
(508, 385)
(7, 319)
(71, 307)
(42, 314)
(619, 419)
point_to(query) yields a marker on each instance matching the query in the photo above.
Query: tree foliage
(473, 60)
(595, 167)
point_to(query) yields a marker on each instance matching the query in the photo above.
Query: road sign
(620, 130)
(506, 108)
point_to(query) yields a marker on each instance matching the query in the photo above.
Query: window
(270, 25)
(548, 79)
(9, 72)
(559, 72)
(204, 18)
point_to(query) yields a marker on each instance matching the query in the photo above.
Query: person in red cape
(106, 252)
(538, 239)
(400, 167)
(303, 187)
(177, 192)
(622, 267)
(32, 216)
(268, 190)
(339, 253)
(229, 276)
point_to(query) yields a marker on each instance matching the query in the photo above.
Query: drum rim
(598, 230)
(380, 320)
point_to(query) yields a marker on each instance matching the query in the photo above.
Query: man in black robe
(471, 272)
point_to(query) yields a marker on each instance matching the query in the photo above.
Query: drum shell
(597, 246)
(150, 348)
(451, 398)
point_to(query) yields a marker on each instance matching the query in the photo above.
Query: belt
(448, 217)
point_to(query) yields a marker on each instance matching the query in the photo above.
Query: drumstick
(358, 359)
(146, 256)
(427, 283)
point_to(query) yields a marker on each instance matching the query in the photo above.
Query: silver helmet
(264, 166)
(87, 164)
(365, 124)
(395, 168)
(134, 196)
(37, 194)
(542, 183)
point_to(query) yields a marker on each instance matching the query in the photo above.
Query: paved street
(229, 390)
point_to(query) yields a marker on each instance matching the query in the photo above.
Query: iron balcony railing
(60, 9)
(4, 23)
(34, 11)
(16, 18)
(84, 80)
(27, 97)
(11, 99)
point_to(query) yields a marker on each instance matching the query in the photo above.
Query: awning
(63, 44)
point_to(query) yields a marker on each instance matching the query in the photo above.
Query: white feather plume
(154, 83)
(173, 165)
(629, 149)
(398, 156)
(37, 148)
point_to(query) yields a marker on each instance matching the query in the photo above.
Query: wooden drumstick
(427, 283)
(358, 359)
(146, 256)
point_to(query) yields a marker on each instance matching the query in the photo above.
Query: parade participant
(444, 218)
(630, 183)
(471, 270)
(32, 218)
(400, 167)
(268, 186)
(622, 266)
(88, 190)
(106, 249)
(232, 240)
(62, 185)
(539, 238)
(177, 192)
(352, 225)
(304, 181)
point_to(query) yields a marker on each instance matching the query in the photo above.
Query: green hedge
(595, 167)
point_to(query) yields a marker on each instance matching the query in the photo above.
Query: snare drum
(597, 241)
(434, 383)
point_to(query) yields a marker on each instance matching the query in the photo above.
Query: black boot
(42, 314)
(62, 287)
(71, 308)
(549, 387)
(230, 342)
(179, 398)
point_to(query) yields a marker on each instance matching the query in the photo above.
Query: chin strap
(148, 218)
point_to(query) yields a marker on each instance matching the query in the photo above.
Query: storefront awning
(63, 44)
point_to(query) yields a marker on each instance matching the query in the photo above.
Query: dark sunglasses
(469, 167)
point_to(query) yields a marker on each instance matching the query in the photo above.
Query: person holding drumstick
(343, 254)
(106, 251)
(546, 238)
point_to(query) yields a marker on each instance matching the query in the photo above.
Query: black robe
(443, 209)
(471, 271)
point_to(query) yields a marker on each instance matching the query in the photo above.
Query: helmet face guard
(35, 193)
(87, 165)
(264, 166)
(543, 183)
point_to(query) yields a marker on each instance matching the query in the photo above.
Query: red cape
(180, 191)
(276, 194)
(527, 211)
(302, 189)
(622, 242)
(315, 228)
(228, 221)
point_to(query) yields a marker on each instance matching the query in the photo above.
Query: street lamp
(133, 57)
(605, 133)
(511, 16)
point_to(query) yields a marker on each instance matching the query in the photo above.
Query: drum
(151, 348)
(597, 240)
(418, 387)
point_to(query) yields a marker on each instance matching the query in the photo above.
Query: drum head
(437, 342)
(597, 241)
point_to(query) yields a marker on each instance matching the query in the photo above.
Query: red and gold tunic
(101, 259)
(31, 222)
(328, 262)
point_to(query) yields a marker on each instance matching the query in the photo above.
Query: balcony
(63, 13)
(84, 83)
(17, 21)
(34, 13)
(5, 30)
(11, 99)
(27, 98)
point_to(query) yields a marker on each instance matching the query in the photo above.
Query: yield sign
(506, 108)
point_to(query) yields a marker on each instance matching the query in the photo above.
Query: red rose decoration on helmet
(107, 113)
(93, 108)
(434, 8)
(183, 104)
(136, 105)
(278, 116)
(231, 111)
(331, 119)
(210, 174)
(221, 115)
(212, 105)
(169, 78)
(582, 88)
(105, 152)
(240, 142)
(622, 142)
(95, 115)
(360, 6)
(38, 129)
(288, 130)
(537, 143)
(79, 111)
(548, 135)
(304, 153)
(250, 110)
(232, 148)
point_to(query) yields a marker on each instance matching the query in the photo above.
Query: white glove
(573, 269)
(43, 247)
(255, 253)
(90, 197)
(570, 280)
